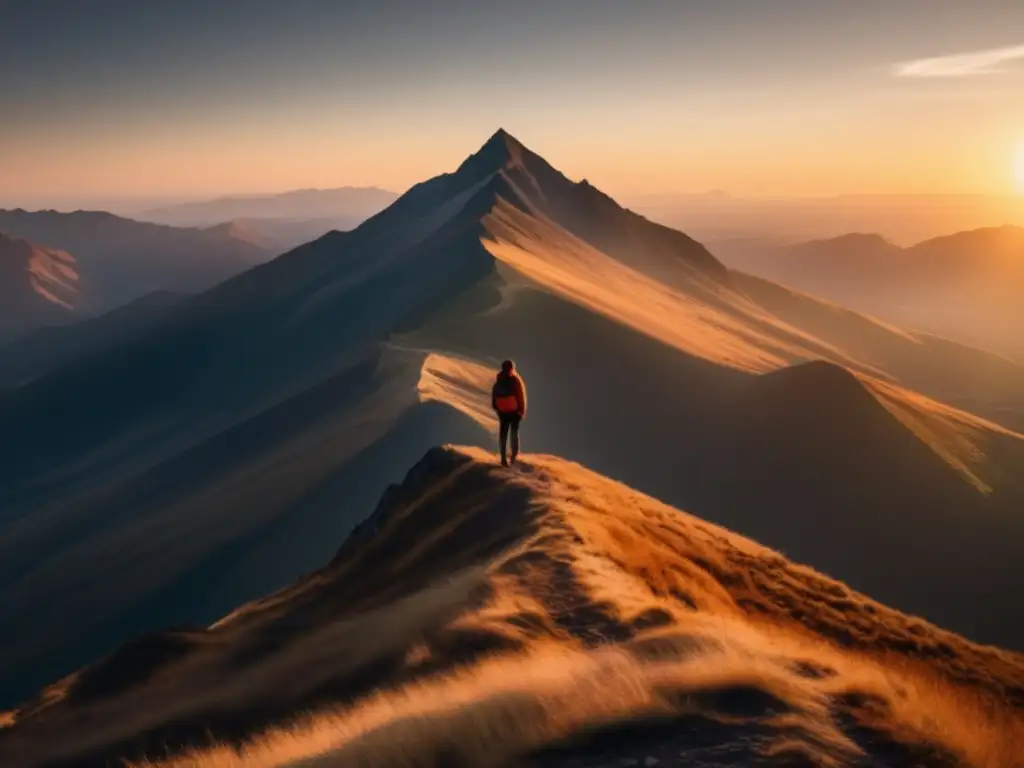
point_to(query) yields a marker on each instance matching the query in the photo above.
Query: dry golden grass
(502, 709)
(692, 314)
(483, 614)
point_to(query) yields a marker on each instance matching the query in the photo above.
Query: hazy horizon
(142, 203)
(792, 99)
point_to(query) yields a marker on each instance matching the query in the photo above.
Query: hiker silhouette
(508, 399)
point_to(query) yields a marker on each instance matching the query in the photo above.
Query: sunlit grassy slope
(548, 615)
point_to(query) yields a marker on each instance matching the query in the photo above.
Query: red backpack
(505, 398)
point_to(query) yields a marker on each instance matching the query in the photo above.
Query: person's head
(507, 366)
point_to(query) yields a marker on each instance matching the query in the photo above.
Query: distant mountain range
(345, 207)
(118, 260)
(902, 218)
(284, 234)
(968, 286)
(226, 448)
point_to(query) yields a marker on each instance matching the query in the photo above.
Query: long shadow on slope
(53, 346)
(193, 470)
(705, 741)
(226, 352)
(805, 461)
(874, 505)
(602, 394)
(350, 628)
(127, 387)
(967, 378)
(414, 537)
(272, 550)
(330, 638)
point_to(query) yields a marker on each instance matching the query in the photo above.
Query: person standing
(508, 399)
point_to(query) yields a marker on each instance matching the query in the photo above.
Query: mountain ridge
(476, 581)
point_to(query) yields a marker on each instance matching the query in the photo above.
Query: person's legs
(503, 429)
(514, 423)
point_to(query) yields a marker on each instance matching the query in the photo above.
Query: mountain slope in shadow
(55, 346)
(541, 616)
(189, 457)
(973, 380)
(38, 287)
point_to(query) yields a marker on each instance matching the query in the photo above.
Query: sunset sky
(123, 98)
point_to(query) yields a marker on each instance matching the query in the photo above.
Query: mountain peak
(499, 151)
(502, 138)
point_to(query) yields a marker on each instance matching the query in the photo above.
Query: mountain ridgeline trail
(546, 616)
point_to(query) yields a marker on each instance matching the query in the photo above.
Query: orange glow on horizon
(747, 150)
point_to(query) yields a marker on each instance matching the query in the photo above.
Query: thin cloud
(989, 62)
